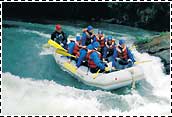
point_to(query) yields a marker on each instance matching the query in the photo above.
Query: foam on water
(154, 72)
(37, 32)
(47, 51)
(26, 96)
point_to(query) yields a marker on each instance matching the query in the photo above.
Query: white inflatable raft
(107, 81)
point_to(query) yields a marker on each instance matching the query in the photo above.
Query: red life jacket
(91, 63)
(110, 43)
(76, 50)
(101, 41)
(123, 54)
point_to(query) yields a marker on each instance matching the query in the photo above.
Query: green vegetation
(142, 40)
(164, 33)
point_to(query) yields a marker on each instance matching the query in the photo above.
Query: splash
(37, 32)
(47, 50)
(27, 96)
(47, 97)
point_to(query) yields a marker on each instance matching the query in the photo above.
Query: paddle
(70, 67)
(96, 74)
(60, 49)
(56, 45)
(64, 53)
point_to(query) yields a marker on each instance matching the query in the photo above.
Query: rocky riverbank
(158, 46)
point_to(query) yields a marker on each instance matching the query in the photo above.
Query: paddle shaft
(56, 45)
(64, 53)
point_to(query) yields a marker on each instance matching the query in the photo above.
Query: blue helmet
(96, 45)
(78, 38)
(100, 32)
(109, 38)
(89, 28)
(90, 47)
(121, 41)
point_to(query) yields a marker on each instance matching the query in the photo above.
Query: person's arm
(113, 41)
(130, 55)
(88, 35)
(83, 46)
(97, 61)
(80, 45)
(94, 38)
(102, 38)
(83, 39)
(84, 30)
(53, 36)
(105, 49)
(64, 38)
(83, 54)
(106, 44)
(115, 54)
(71, 47)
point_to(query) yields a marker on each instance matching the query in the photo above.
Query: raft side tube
(107, 81)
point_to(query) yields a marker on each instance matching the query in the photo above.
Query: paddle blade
(70, 67)
(56, 45)
(96, 74)
(64, 53)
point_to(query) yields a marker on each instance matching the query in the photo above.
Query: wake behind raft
(106, 81)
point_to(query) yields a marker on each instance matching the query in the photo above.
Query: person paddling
(122, 56)
(109, 47)
(82, 54)
(59, 36)
(74, 46)
(94, 60)
(88, 36)
(101, 39)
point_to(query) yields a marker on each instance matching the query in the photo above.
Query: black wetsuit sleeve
(53, 36)
(65, 38)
